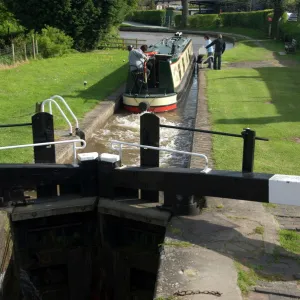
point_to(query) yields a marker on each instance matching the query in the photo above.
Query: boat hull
(159, 103)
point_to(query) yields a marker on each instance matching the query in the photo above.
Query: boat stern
(154, 103)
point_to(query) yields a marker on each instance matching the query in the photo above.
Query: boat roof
(172, 46)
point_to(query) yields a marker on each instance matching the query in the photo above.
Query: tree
(5, 15)
(185, 13)
(86, 21)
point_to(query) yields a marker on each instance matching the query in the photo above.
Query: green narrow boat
(173, 61)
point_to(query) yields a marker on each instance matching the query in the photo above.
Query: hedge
(254, 19)
(205, 21)
(151, 17)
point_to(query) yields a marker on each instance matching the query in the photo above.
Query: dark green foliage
(53, 42)
(253, 19)
(8, 23)
(86, 21)
(289, 30)
(204, 21)
(151, 17)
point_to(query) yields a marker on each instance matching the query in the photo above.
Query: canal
(124, 126)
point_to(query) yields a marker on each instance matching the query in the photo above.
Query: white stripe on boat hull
(153, 101)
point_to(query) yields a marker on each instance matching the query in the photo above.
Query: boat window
(187, 57)
(179, 69)
(183, 64)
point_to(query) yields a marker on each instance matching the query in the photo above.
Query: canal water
(124, 126)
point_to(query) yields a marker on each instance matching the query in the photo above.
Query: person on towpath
(210, 51)
(220, 47)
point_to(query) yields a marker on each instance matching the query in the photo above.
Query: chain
(197, 292)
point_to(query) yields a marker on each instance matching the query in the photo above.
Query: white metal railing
(61, 111)
(51, 100)
(67, 106)
(120, 144)
(75, 148)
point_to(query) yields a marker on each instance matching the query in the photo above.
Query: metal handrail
(83, 145)
(210, 131)
(15, 125)
(67, 106)
(156, 148)
(50, 109)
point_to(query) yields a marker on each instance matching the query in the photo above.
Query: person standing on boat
(210, 51)
(144, 49)
(137, 60)
(220, 47)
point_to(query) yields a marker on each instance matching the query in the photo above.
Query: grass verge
(36, 81)
(247, 50)
(247, 278)
(180, 244)
(265, 100)
(290, 240)
(269, 205)
(259, 230)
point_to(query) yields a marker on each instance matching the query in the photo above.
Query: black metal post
(43, 132)
(149, 135)
(248, 151)
(89, 178)
(179, 204)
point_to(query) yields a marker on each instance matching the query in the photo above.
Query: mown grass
(247, 278)
(265, 100)
(23, 86)
(247, 50)
(290, 240)
(259, 230)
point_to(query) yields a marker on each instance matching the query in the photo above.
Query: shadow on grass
(284, 86)
(104, 87)
(275, 46)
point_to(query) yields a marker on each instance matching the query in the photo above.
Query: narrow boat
(173, 62)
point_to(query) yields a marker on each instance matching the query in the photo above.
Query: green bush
(53, 42)
(289, 30)
(151, 17)
(203, 21)
(253, 19)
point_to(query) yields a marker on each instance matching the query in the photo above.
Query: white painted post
(33, 46)
(36, 47)
(25, 51)
(13, 52)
